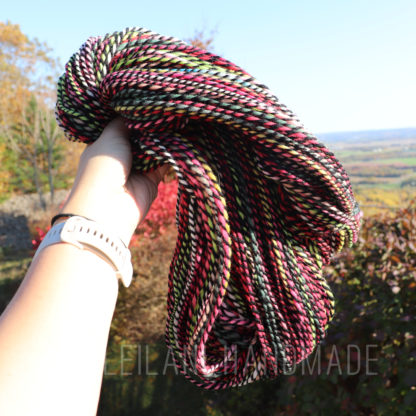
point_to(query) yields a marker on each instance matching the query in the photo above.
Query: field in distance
(381, 165)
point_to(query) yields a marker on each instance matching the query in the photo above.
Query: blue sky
(340, 65)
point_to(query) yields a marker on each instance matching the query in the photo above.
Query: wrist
(106, 208)
(92, 236)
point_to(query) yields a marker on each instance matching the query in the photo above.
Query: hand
(106, 191)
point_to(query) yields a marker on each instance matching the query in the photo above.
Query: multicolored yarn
(262, 205)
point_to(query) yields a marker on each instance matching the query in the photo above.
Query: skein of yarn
(262, 204)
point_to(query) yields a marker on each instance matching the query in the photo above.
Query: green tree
(36, 153)
(29, 135)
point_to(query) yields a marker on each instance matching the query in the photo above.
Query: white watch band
(89, 235)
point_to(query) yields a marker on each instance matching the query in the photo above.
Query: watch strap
(89, 235)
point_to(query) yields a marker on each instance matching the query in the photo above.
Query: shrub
(162, 211)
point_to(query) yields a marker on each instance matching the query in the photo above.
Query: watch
(89, 235)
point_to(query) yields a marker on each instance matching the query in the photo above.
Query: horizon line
(365, 130)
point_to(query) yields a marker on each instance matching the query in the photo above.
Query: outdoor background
(347, 69)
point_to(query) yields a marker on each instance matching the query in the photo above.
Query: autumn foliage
(162, 211)
(26, 66)
(31, 144)
(374, 285)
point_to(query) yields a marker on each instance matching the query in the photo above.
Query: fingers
(116, 128)
(157, 175)
(163, 170)
(114, 135)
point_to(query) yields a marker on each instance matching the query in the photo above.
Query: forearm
(53, 335)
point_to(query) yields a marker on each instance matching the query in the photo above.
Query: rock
(14, 232)
(15, 214)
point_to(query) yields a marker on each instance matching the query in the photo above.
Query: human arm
(53, 335)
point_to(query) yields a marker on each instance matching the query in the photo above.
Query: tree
(202, 40)
(34, 139)
(26, 67)
(4, 174)
(49, 135)
(24, 138)
(28, 76)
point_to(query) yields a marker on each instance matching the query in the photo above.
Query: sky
(339, 65)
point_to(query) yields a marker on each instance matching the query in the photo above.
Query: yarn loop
(262, 205)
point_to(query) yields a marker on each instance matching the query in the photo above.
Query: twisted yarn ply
(261, 207)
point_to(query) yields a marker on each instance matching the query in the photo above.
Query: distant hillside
(368, 135)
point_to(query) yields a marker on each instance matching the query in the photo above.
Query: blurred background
(347, 69)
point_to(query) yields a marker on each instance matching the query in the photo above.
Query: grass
(343, 154)
(409, 161)
(384, 185)
(13, 267)
(14, 264)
